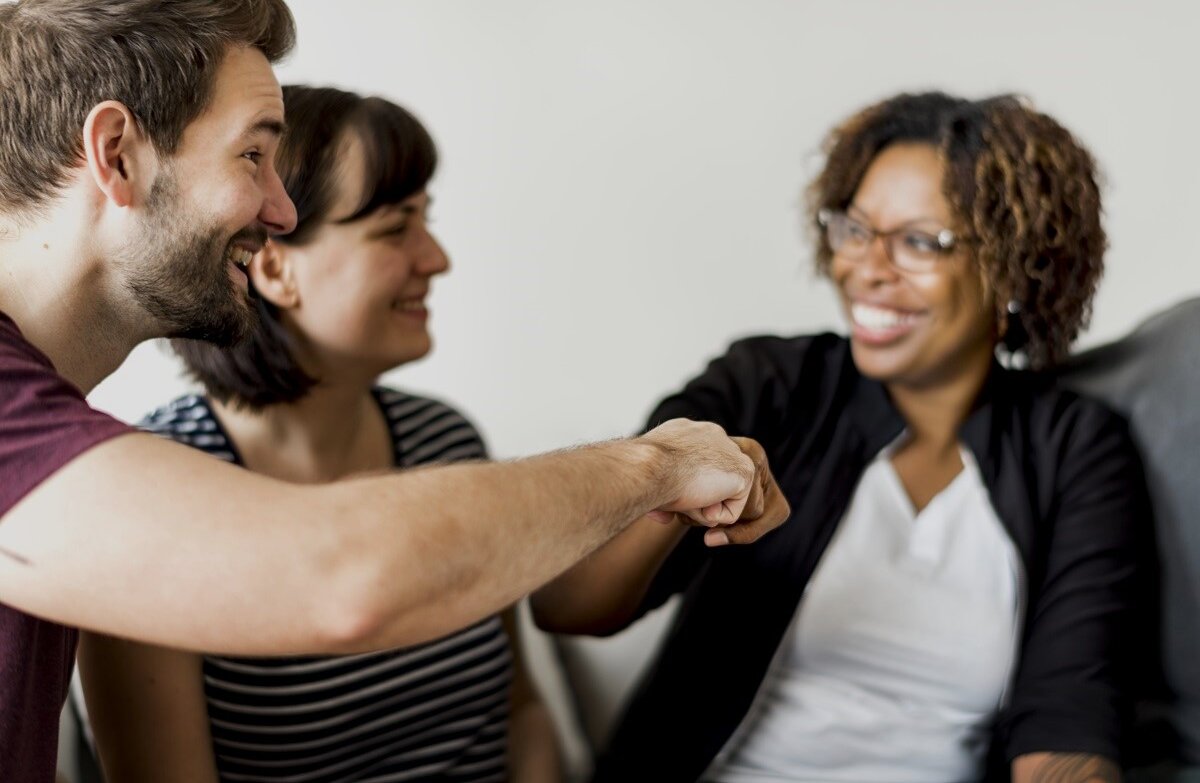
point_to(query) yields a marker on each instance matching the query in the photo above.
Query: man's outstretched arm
(600, 595)
(146, 539)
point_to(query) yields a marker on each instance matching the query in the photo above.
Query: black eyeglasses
(909, 249)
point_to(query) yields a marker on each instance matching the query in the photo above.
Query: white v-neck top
(902, 647)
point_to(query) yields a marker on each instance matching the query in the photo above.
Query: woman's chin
(880, 363)
(411, 349)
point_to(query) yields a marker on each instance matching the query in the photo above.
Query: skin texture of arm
(150, 540)
(532, 743)
(148, 711)
(601, 594)
(1064, 768)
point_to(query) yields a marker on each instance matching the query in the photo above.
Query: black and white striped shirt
(438, 711)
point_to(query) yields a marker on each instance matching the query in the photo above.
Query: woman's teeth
(879, 318)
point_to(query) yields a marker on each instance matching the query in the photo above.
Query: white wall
(620, 179)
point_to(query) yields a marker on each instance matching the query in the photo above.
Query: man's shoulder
(45, 422)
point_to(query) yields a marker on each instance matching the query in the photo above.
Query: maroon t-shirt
(44, 424)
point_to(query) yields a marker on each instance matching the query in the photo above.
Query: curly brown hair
(1023, 193)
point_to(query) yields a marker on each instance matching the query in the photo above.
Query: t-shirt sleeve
(45, 422)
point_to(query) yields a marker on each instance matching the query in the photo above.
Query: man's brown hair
(59, 58)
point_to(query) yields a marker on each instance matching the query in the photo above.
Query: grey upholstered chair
(1152, 376)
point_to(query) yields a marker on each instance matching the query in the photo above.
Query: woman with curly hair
(954, 595)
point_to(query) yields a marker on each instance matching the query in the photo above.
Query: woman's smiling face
(913, 328)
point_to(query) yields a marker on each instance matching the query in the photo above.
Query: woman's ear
(273, 276)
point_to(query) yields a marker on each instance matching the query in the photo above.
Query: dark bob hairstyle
(400, 159)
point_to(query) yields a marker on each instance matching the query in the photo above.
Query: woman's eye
(857, 232)
(921, 242)
(254, 156)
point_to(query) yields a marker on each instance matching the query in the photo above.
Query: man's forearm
(601, 594)
(185, 551)
(493, 533)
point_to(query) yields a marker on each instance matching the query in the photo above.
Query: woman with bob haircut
(956, 594)
(340, 300)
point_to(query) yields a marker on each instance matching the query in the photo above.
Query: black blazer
(1065, 481)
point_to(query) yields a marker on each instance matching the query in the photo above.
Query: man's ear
(271, 270)
(118, 155)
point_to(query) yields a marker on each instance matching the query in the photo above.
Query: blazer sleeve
(1089, 602)
(746, 391)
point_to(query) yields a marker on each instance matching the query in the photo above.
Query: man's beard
(178, 272)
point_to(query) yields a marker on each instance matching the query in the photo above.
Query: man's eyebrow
(269, 125)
